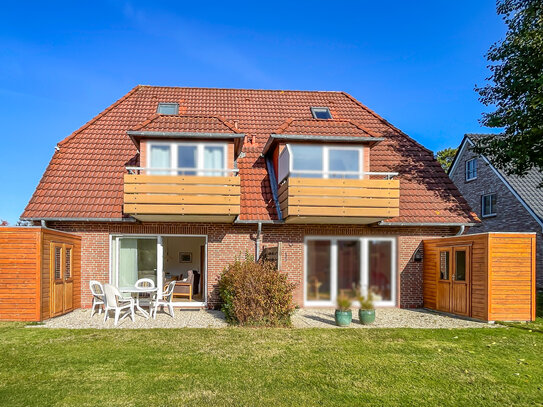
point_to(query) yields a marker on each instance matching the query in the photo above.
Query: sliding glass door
(335, 266)
(135, 258)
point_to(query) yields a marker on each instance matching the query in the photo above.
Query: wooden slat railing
(181, 195)
(317, 197)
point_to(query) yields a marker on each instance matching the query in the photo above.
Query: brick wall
(511, 215)
(226, 242)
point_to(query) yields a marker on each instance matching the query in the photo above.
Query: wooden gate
(453, 285)
(62, 278)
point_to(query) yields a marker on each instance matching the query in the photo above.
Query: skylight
(321, 113)
(168, 108)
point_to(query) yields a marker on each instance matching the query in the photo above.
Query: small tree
(445, 157)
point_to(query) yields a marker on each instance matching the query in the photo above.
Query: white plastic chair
(146, 300)
(98, 297)
(167, 298)
(116, 302)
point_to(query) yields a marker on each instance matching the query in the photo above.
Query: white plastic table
(138, 291)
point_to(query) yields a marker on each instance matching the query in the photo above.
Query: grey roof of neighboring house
(526, 187)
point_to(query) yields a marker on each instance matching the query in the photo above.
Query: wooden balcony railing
(182, 197)
(307, 200)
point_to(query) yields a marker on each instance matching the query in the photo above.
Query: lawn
(270, 367)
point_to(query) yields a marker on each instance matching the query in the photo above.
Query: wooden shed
(40, 273)
(487, 276)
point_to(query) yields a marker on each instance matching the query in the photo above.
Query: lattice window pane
(58, 260)
(68, 264)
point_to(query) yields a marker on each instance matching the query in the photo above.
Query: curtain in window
(160, 158)
(213, 159)
(128, 262)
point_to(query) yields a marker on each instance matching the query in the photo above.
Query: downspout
(461, 230)
(257, 245)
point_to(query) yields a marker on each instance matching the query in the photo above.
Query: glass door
(136, 257)
(341, 266)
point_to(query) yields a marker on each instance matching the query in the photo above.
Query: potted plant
(366, 313)
(343, 314)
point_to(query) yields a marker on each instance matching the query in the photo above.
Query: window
(444, 264)
(68, 263)
(310, 161)
(187, 158)
(471, 169)
(168, 108)
(339, 265)
(321, 113)
(488, 205)
(460, 265)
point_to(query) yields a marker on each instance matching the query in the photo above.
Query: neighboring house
(168, 180)
(504, 203)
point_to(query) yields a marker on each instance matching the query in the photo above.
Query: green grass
(270, 367)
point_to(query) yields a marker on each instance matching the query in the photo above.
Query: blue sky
(414, 63)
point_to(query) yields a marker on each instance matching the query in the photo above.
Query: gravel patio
(303, 318)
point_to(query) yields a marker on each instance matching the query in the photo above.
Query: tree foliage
(445, 157)
(516, 90)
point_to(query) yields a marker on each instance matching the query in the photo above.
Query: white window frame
(200, 146)
(473, 171)
(114, 257)
(364, 269)
(326, 160)
(492, 207)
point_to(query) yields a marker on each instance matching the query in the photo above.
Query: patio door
(136, 257)
(341, 265)
(62, 286)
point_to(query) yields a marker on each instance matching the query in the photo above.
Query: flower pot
(343, 318)
(366, 316)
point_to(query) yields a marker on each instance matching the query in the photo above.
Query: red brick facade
(225, 242)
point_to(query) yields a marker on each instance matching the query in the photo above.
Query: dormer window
(321, 113)
(318, 161)
(168, 108)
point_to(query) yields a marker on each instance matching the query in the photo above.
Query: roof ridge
(247, 89)
(99, 115)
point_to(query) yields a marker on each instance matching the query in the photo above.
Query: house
(504, 203)
(169, 179)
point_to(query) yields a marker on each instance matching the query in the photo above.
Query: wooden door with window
(62, 278)
(460, 286)
(453, 280)
(444, 280)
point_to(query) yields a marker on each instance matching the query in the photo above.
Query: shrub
(343, 303)
(255, 294)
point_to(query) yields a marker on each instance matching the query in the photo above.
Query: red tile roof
(186, 123)
(85, 176)
(323, 127)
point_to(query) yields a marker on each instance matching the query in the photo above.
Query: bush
(255, 294)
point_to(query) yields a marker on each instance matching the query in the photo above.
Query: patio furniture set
(144, 293)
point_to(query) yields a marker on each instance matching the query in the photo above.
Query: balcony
(334, 200)
(181, 198)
